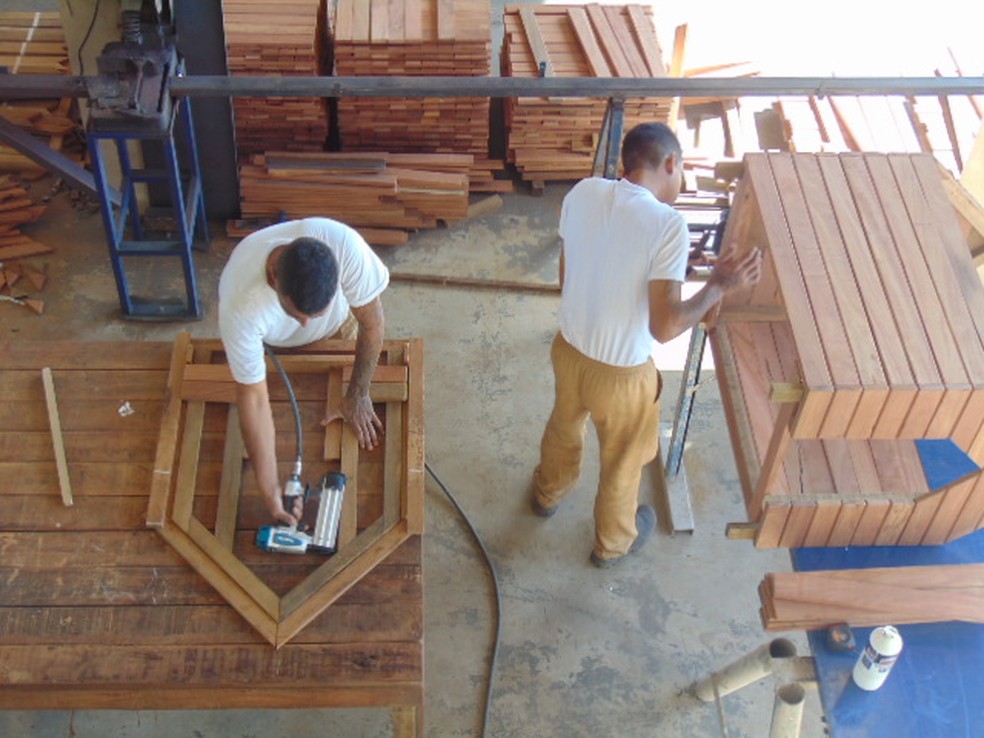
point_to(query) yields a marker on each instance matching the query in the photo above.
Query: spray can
(878, 658)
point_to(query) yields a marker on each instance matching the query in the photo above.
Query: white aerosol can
(878, 658)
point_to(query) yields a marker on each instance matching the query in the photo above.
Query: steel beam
(27, 86)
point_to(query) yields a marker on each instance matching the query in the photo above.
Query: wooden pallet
(555, 138)
(863, 336)
(412, 38)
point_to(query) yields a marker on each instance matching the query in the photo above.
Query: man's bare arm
(259, 435)
(670, 315)
(356, 406)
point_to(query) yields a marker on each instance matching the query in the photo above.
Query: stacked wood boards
(376, 190)
(815, 600)
(865, 334)
(285, 39)
(555, 138)
(413, 38)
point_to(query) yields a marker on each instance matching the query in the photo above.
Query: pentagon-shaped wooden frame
(193, 381)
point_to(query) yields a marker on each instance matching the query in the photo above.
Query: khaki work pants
(623, 403)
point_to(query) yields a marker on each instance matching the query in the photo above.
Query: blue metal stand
(125, 233)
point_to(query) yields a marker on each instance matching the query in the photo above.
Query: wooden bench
(864, 336)
(98, 611)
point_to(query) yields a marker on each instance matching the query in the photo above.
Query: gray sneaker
(645, 525)
(541, 510)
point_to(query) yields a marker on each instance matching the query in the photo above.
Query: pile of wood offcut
(383, 195)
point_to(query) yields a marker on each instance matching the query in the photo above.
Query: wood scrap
(814, 600)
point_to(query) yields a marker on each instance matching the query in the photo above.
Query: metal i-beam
(28, 86)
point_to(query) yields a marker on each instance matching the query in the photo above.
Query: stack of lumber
(285, 39)
(555, 138)
(414, 38)
(387, 193)
(16, 209)
(815, 600)
(34, 43)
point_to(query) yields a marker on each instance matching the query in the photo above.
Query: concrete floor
(584, 652)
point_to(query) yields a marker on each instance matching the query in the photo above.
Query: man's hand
(732, 273)
(359, 413)
(274, 502)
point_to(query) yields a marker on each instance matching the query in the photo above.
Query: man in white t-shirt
(623, 262)
(285, 286)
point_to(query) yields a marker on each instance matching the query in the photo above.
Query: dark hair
(307, 273)
(647, 146)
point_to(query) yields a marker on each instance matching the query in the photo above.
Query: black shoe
(539, 510)
(645, 525)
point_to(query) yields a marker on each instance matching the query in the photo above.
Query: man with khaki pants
(623, 262)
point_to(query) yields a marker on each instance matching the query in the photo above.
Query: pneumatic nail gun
(324, 537)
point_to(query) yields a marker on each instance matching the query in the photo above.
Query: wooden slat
(168, 440)
(541, 56)
(586, 38)
(227, 509)
(51, 402)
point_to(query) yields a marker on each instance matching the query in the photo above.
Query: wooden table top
(97, 611)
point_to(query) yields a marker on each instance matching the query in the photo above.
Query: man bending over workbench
(289, 285)
(623, 261)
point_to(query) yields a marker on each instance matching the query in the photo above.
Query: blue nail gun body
(324, 538)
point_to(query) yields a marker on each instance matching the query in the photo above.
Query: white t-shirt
(250, 313)
(617, 238)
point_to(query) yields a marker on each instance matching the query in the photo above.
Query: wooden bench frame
(192, 382)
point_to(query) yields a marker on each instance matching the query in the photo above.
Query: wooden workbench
(97, 611)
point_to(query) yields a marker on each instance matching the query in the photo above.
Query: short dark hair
(307, 273)
(647, 145)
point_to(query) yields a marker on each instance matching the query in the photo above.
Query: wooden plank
(773, 521)
(834, 343)
(588, 42)
(414, 459)
(869, 526)
(646, 36)
(618, 63)
(293, 620)
(625, 40)
(816, 375)
(445, 20)
(538, 48)
(230, 485)
(333, 431)
(191, 444)
(350, 467)
(51, 402)
(226, 585)
(168, 439)
(891, 271)
(772, 461)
